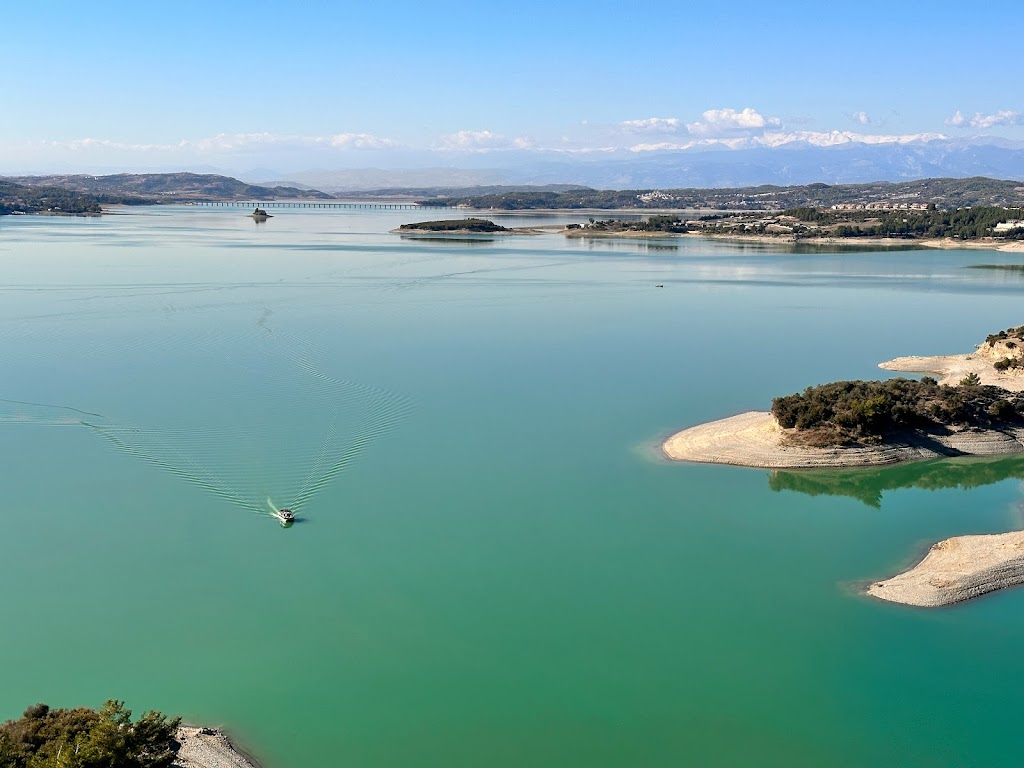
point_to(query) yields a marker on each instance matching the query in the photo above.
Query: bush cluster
(847, 412)
(87, 738)
(1009, 333)
(449, 225)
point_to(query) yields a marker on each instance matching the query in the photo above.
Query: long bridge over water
(311, 204)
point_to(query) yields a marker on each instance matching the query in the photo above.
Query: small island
(977, 409)
(470, 226)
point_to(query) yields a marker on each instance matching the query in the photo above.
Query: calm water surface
(492, 564)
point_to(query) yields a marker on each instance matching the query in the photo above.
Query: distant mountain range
(85, 194)
(161, 187)
(796, 158)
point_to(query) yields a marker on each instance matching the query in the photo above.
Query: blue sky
(133, 85)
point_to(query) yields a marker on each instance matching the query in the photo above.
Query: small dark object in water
(659, 286)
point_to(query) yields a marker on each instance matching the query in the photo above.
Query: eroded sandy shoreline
(958, 569)
(754, 439)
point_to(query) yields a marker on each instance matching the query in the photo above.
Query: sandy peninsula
(755, 439)
(208, 748)
(952, 368)
(958, 569)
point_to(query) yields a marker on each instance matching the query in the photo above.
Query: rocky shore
(209, 748)
(958, 569)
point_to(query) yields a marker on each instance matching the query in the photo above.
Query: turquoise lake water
(493, 566)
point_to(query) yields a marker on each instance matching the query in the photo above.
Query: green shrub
(86, 738)
(856, 411)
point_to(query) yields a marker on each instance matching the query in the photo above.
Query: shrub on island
(858, 412)
(87, 738)
(456, 225)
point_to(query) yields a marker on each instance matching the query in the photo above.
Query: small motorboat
(286, 516)
(260, 215)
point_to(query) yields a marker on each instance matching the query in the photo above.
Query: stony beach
(208, 748)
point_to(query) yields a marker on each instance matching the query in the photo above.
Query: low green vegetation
(456, 225)
(87, 738)
(856, 412)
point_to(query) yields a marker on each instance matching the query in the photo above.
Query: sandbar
(958, 569)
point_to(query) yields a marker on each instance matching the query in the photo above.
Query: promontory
(976, 409)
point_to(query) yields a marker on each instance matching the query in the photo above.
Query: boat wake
(265, 419)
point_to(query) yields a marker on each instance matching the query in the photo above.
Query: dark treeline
(87, 738)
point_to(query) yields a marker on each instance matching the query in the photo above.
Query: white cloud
(723, 121)
(1003, 117)
(651, 125)
(978, 120)
(472, 140)
(861, 117)
(484, 141)
(361, 141)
